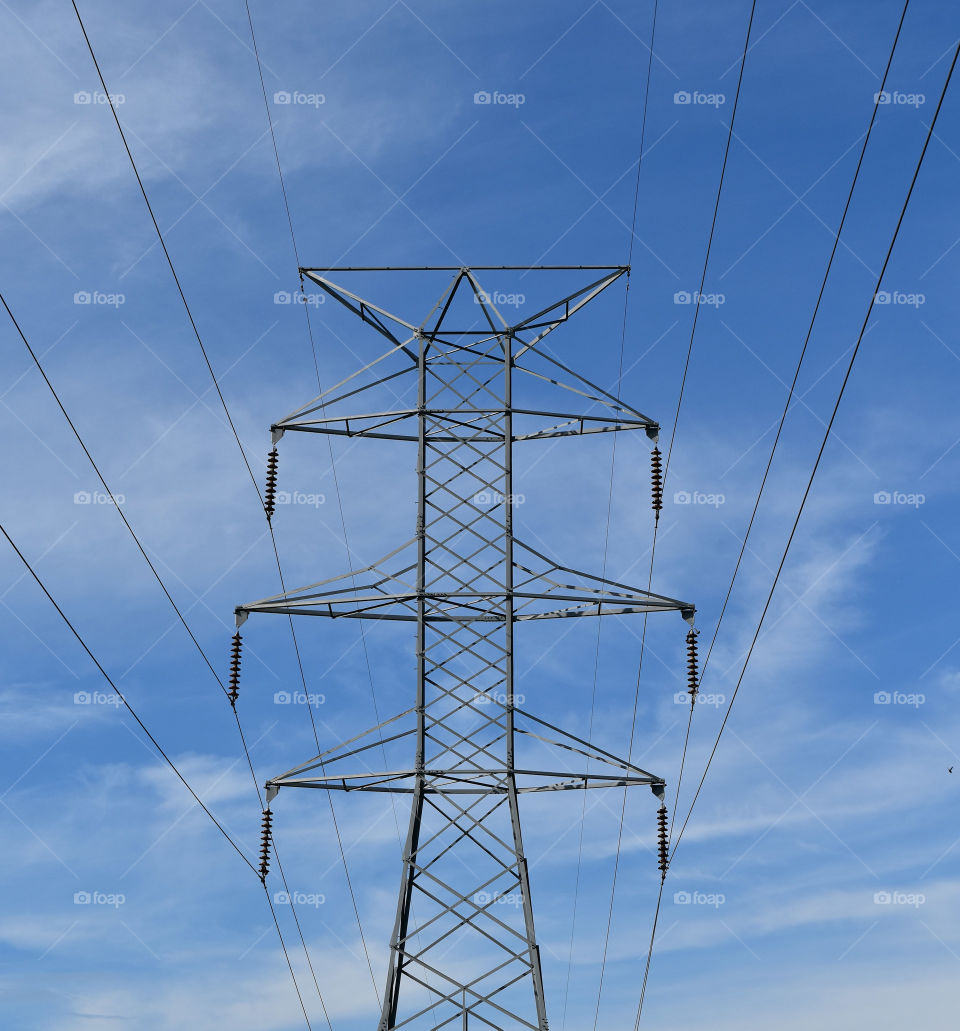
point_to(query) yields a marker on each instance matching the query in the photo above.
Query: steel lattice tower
(458, 958)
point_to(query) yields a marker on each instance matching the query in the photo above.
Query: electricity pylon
(459, 956)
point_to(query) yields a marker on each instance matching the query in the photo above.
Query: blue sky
(830, 787)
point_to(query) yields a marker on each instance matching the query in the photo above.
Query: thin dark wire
(800, 360)
(826, 437)
(119, 510)
(606, 538)
(316, 737)
(760, 493)
(286, 956)
(169, 598)
(646, 969)
(216, 384)
(303, 941)
(283, 185)
(643, 635)
(336, 482)
(106, 676)
(713, 226)
(163, 245)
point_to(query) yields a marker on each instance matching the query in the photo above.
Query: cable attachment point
(662, 849)
(656, 480)
(693, 675)
(265, 836)
(235, 648)
(270, 497)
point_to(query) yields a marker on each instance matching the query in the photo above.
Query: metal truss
(464, 951)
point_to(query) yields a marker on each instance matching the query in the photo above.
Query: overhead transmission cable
(613, 463)
(213, 376)
(828, 430)
(813, 472)
(166, 592)
(803, 351)
(158, 746)
(643, 633)
(336, 483)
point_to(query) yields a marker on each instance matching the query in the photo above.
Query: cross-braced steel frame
(464, 950)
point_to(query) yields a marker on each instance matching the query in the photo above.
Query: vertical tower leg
(398, 943)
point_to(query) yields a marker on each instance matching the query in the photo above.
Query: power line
(764, 480)
(606, 539)
(803, 352)
(233, 428)
(713, 226)
(169, 597)
(826, 436)
(336, 482)
(119, 510)
(643, 633)
(166, 253)
(156, 744)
